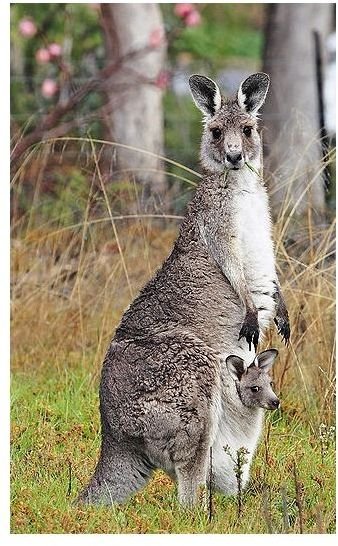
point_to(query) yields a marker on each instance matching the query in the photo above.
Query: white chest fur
(253, 226)
(254, 229)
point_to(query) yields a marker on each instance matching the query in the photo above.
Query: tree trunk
(134, 33)
(292, 131)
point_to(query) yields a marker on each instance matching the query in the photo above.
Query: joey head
(254, 385)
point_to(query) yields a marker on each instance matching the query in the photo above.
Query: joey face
(256, 390)
(254, 385)
(230, 137)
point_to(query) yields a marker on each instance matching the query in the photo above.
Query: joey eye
(272, 383)
(216, 133)
(255, 388)
(247, 130)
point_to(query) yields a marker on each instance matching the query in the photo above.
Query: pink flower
(162, 79)
(156, 37)
(49, 88)
(182, 10)
(42, 55)
(193, 19)
(27, 28)
(55, 50)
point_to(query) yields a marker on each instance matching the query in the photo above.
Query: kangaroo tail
(121, 471)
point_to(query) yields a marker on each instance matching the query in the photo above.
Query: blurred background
(104, 157)
(119, 73)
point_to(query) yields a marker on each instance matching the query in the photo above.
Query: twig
(285, 510)
(210, 488)
(266, 510)
(239, 463)
(69, 478)
(266, 444)
(299, 495)
(319, 520)
(100, 82)
(252, 169)
(123, 262)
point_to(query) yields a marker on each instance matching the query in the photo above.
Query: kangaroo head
(230, 136)
(254, 385)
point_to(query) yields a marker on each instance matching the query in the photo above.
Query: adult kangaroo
(166, 394)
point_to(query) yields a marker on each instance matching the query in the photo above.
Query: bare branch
(48, 125)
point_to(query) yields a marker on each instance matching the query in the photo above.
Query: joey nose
(275, 403)
(234, 157)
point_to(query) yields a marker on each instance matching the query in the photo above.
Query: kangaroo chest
(253, 229)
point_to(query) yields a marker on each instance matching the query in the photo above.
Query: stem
(210, 488)
(299, 503)
(69, 478)
(252, 169)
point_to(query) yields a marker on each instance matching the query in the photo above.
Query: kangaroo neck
(218, 191)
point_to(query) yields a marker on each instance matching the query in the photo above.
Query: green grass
(55, 427)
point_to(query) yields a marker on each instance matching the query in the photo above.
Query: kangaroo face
(230, 137)
(254, 385)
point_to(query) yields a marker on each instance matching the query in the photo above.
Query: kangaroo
(253, 388)
(164, 382)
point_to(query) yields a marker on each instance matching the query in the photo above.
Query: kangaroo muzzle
(273, 404)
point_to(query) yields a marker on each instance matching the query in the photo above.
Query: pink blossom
(162, 79)
(49, 88)
(193, 19)
(42, 55)
(55, 50)
(156, 37)
(27, 28)
(182, 10)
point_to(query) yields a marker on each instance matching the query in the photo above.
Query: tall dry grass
(71, 281)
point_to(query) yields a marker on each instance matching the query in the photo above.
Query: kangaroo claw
(283, 328)
(250, 330)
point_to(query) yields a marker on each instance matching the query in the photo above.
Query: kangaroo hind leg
(190, 475)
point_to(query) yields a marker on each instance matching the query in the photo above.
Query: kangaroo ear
(266, 359)
(252, 92)
(206, 94)
(236, 367)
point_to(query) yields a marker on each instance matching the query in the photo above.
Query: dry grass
(70, 285)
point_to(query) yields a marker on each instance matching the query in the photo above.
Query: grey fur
(166, 394)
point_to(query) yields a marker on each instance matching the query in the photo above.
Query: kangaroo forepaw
(250, 330)
(283, 328)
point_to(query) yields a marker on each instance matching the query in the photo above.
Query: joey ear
(235, 366)
(252, 92)
(206, 94)
(266, 359)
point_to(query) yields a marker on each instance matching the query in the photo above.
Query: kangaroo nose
(275, 403)
(234, 157)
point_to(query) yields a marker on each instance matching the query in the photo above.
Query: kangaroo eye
(272, 383)
(247, 130)
(216, 133)
(255, 389)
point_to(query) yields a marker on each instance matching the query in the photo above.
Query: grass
(70, 285)
(55, 427)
